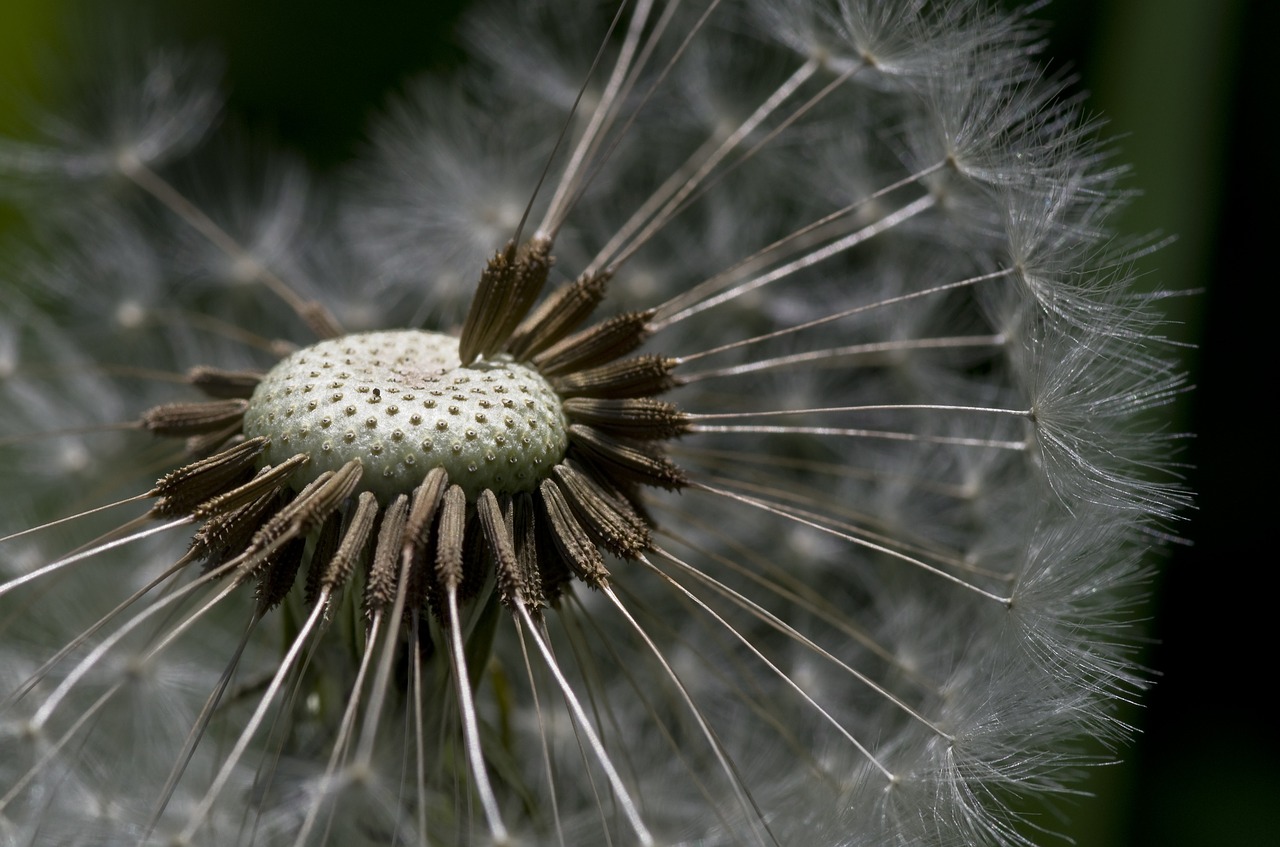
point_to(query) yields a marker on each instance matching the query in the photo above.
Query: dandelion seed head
(740, 436)
(401, 403)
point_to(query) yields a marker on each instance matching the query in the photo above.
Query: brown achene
(534, 542)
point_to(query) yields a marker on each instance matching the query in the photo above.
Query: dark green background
(1189, 84)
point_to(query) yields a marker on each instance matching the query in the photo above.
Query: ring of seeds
(519, 447)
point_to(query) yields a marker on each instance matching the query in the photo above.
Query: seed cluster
(517, 449)
(401, 403)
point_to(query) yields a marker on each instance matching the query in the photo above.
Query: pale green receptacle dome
(401, 403)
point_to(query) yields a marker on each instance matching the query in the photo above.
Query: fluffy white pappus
(131, 109)
(903, 41)
(444, 186)
(262, 200)
(1093, 427)
(866, 446)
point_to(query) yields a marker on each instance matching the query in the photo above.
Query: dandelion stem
(342, 741)
(746, 642)
(748, 802)
(198, 728)
(614, 254)
(49, 706)
(832, 354)
(470, 730)
(861, 542)
(668, 312)
(251, 727)
(542, 736)
(836, 247)
(417, 696)
(90, 552)
(38, 528)
(603, 111)
(777, 623)
(794, 590)
(624, 797)
(74, 643)
(681, 174)
(887, 407)
(888, 435)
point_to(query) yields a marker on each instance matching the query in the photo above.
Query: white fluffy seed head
(401, 403)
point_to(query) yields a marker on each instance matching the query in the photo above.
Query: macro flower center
(525, 431)
(401, 403)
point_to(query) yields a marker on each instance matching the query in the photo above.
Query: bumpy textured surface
(401, 404)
